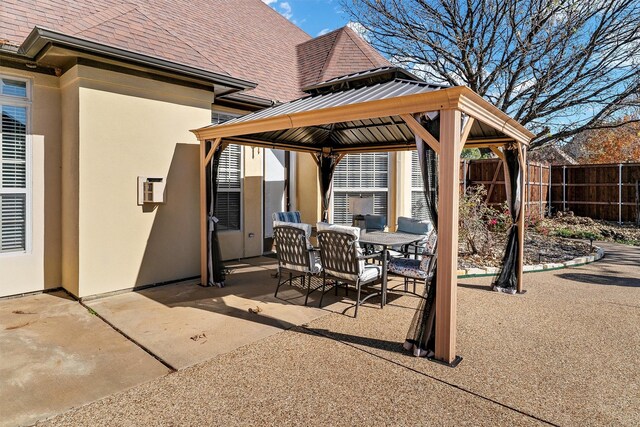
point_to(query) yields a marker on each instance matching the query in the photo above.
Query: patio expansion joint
(462, 389)
(121, 332)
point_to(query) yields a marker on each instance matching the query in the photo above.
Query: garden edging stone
(492, 271)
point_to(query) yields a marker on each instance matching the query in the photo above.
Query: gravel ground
(564, 353)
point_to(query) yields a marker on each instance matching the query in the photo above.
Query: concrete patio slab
(185, 323)
(565, 352)
(290, 379)
(55, 355)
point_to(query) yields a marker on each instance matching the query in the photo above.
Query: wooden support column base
(453, 364)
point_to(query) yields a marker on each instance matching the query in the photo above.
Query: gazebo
(385, 109)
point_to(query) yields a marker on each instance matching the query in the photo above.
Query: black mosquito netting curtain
(507, 279)
(215, 267)
(421, 335)
(327, 166)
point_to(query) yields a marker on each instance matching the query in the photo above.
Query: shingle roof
(245, 39)
(334, 54)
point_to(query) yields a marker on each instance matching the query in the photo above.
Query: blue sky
(316, 17)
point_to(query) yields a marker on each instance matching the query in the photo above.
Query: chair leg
(279, 283)
(324, 283)
(308, 279)
(357, 298)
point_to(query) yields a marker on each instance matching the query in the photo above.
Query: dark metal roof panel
(335, 99)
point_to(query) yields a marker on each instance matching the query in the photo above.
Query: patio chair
(344, 262)
(289, 216)
(373, 223)
(416, 269)
(296, 255)
(412, 226)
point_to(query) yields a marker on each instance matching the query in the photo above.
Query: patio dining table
(386, 240)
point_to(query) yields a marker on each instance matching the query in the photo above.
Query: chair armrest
(373, 255)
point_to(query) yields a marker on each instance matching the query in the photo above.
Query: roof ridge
(183, 41)
(358, 40)
(109, 14)
(330, 55)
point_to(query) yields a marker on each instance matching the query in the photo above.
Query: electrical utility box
(150, 190)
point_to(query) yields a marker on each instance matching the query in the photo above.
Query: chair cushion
(370, 273)
(413, 226)
(354, 231)
(407, 267)
(305, 227)
(293, 216)
(315, 266)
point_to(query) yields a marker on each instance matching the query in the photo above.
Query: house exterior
(96, 94)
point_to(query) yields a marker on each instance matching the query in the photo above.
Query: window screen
(13, 167)
(229, 203)
(365, 174)
(418, 206)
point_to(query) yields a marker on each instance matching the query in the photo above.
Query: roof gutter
(40, 37)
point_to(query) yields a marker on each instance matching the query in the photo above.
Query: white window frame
(419, 189)
(219, 110)
(363, 190)
(19, 101)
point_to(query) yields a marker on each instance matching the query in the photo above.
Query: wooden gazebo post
(448, 195)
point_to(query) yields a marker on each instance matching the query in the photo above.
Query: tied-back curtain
(507, 279)
(327, 166)
(216, 271)
(421, 335)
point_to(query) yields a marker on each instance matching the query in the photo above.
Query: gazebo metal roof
(304, 124)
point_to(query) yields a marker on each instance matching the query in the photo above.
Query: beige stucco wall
(39, 267)
(402, 189)
(308, 189)
(129, 127)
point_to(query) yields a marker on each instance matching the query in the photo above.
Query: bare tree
(557, 66)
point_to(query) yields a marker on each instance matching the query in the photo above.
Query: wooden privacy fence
(609, 191)
(490, 173)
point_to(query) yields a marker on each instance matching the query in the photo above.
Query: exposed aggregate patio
(564, 353)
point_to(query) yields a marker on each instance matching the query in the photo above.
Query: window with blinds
(365, 174)
(418, 207)
(13, 165)
(229, 203)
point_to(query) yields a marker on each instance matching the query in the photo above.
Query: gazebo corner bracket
(421, 132)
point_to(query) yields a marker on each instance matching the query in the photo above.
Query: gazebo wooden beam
(448, 194)
(420, 131)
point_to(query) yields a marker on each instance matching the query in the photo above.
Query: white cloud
(285, 9)
(323, 32)
(269, 1)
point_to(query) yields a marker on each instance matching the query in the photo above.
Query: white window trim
(363, 190)
(26, 102)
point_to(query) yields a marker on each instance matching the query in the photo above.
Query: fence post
(564, 188)
(540, 192)
(619, 193)
(549, 196)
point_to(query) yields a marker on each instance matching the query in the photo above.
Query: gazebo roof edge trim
(458, 97)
